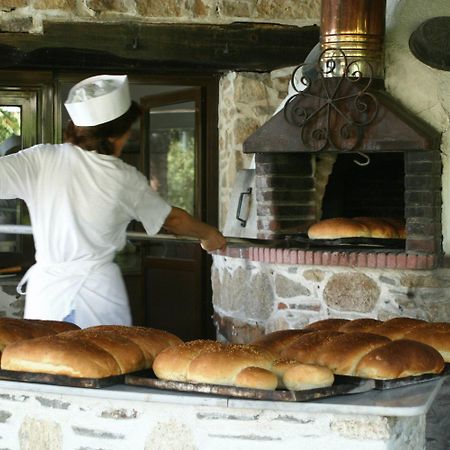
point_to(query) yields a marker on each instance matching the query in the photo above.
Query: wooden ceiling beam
(159, 47)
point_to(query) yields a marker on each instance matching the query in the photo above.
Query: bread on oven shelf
(358, 227)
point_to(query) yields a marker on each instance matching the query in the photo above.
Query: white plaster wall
(422, 89)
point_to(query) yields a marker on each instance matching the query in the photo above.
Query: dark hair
(97, 137)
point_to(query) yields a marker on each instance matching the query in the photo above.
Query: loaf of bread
(364, 325)
(150, 340)
(173, 362)
(126, 353)
(437, 335)
(342, 353)
(341, 344)
(306, 348)
(204, 361)
(378, 227)
(222, 365)
(241, 365)
(278, 340)
(398, 359)
(296, 376)
(397, 327)
(90, 353)
(256, 378)
(327, 324)
(337, 228)
(14, 330)
(367, 227)
(307, 376)
(60, 356)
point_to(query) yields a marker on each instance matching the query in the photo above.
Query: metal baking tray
(60, 380)
(405, 381)
(302, 238)
(341, 386)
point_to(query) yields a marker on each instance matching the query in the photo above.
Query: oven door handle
(238, 212)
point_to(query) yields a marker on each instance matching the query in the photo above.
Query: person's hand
(214, 241)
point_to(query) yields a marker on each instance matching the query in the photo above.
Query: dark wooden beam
(159, 47)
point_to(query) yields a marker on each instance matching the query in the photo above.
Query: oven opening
(373, 190)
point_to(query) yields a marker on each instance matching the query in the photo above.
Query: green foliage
(181, 171)
(9, 123)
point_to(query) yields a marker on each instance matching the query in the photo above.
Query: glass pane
(172, 153)
(10, 142)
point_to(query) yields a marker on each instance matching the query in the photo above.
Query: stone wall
(28, 15)
(251, 298)
(247, 100)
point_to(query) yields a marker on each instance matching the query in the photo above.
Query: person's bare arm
(181, 222)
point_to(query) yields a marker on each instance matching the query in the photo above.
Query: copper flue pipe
(356, 27)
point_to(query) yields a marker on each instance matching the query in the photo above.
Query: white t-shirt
(80, 204)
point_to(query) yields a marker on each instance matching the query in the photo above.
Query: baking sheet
(407, 381)
(302, 238)
(60, 380)
(341, 386)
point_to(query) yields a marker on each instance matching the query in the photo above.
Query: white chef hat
(98, 99)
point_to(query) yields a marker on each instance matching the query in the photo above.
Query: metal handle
(238, 212)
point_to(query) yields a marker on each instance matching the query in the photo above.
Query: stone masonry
(251, 298)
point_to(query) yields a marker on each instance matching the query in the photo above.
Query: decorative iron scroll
(332, 105)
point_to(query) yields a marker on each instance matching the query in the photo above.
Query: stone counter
(37, 416)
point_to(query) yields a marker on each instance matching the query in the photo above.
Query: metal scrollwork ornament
(332, 103)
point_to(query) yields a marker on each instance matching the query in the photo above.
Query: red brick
(431, 261)
(334, 260)
(282, 306)
(411, 261)
(422, 262)
(343, 259)
(362, 259)
(391, 261)
(381, 260)
(301, 257)
(401, 261)
(293, 257)
(279, 256)
(266, 255)
(353, 259)
(261, 254)
(309, 257)
(326, 258)
(273, 255)
(317, 258)
(372, 260)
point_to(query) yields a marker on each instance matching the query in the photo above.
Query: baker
(81, 197)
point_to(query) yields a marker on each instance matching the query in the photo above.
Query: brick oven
(340, 146)
(343, 147)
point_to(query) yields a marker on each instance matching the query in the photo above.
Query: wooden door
(176, 272)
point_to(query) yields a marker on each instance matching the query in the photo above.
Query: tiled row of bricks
(385, 260)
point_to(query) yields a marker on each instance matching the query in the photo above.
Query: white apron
(93, 289)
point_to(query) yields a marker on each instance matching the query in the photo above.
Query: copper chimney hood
(344, 107)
